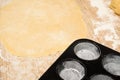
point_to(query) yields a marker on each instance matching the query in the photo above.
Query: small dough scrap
(115, 5)
(35, 28)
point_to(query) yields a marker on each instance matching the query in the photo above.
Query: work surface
(102, 24)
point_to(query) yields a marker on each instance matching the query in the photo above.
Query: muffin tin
(85, 59)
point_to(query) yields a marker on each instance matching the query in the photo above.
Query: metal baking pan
(85, 59)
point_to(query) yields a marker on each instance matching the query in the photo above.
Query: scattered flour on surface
(4, 2)
(14, 67)
(109, 21)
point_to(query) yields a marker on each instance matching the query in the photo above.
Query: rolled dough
(115, 5)
(36, 28)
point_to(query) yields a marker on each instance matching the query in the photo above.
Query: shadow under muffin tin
(85, 59)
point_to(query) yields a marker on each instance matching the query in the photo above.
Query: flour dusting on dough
(4, 2)
(108, 22)
(14, 67)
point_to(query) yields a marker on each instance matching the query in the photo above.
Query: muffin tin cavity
(85, 59)
(101, 77)
(71, 70)
(111, 63)
(87, 51)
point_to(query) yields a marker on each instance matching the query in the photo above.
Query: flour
(112, 64)
(73, 70)
(87, 51)
(25, 67)
(70, 74)
(4, 2)
(101, 77)
(113, 68)
(87, 54)
(109, 21)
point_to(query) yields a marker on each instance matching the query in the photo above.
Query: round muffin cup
(111, 63)
(100, 77)
(71, 69)
(87, 51)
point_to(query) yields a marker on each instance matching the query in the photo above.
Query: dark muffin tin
(106, 62)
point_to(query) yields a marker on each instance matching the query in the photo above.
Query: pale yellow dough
(115, 5)
(35, 28)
